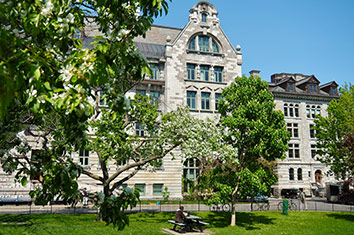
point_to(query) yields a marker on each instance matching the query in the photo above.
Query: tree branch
(139, 164)
(93, 176)
(116, 184)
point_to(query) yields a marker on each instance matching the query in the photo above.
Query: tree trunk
(233, 214)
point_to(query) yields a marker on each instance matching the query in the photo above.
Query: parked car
(289, 193)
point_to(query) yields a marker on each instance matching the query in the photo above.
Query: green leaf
(47, 85)
(37, 73)
(24, 181)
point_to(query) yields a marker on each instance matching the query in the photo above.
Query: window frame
(191, 100)
(291, 174)
(84, 157)
(191, 69)
(218, 74)
(156, 191)
(218, 96)
(205, 101)
(155, 72)
(143, 189)
(204, 72)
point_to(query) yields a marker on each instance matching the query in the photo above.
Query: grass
(269, 222)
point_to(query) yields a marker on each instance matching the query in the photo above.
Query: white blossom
(48, 8)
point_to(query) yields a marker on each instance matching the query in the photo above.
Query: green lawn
(270, 222)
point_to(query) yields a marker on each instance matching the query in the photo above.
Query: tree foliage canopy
(335, 133)
(257, 135)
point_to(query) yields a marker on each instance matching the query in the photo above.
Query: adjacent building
(301, 98)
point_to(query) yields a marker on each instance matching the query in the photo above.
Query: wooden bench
(182, 225)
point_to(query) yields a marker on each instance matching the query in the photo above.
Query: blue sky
(293, 36)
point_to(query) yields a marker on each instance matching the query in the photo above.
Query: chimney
(255, 73)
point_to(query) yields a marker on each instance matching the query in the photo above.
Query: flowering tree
(49, 82)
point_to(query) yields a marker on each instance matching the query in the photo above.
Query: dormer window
(204, 17)
(334, 90)
(291, 86)
(313, 88)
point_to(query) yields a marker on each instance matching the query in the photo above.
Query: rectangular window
(139, 129)
(334, 91)
(217, 99)
(291, 87)
(204, 18)
(155, 72)
(190, 71)
(204, 73)
(218, 74)
(313, 132)
(293, 129)
(294, 151)
(205, 101)
(141, 92)
(154, 96)
(84, 157)
(203, 43)
(313, 151)
(157, 189)
(191, 99)
(313, 88)
(141, 187)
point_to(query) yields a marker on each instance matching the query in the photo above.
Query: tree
(49, 82)
(335, 132)
(257, 135)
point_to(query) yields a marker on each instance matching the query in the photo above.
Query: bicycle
(260, 206)
(292, 205)
(220, 207)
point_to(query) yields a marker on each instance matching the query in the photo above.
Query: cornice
(303, 96)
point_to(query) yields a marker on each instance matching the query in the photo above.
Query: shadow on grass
(158, 217)
(342, 216)
(247, 220)
(16, 220)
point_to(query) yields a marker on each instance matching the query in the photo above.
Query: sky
(284, 36)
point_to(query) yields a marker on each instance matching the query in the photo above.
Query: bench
(200, 224)
(182, 225)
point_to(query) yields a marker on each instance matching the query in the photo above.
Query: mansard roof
(151, 50)
(279, 89)
(159, 35)
(332, 83)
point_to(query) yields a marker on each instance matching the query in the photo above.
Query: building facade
(301, 98)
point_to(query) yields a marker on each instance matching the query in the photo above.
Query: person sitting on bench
(180, 217)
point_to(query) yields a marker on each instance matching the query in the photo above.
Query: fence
(312, 205)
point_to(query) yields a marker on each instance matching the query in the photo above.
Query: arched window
(204, 17)
(291, 174)
(215, 47)
(191, 45)
(205, 44)
(299, 174)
